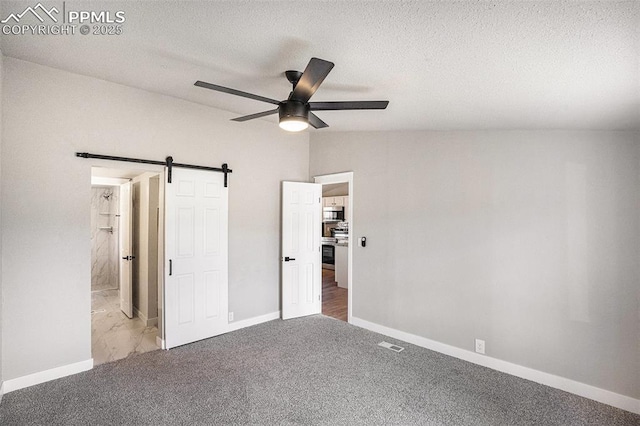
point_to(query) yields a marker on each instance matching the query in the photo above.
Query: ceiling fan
(296, 112)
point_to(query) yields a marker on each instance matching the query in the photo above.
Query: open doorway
(337, 226)
(125, 208)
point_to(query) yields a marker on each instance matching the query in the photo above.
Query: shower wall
(104, 237)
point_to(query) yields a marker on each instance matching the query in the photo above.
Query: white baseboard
(137, 313)
(148, 322)
(1, 391)
(253, 321)
(597, 394)
(47, 375)
(234, 326)
(67, 370)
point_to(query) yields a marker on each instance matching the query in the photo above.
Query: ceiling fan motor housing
(293, 110)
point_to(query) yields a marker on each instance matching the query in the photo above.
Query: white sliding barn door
(196, 256)
(301, 249)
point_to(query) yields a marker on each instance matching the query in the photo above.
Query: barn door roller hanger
(168, 163)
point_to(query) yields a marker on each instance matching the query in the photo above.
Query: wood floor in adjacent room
(334, 298)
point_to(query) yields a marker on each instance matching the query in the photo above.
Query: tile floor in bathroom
(113, 335)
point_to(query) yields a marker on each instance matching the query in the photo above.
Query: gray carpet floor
(313, 370)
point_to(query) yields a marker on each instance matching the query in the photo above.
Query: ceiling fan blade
(234, 92)
(333, 106)
(315, 121)
(315, 73)
(256, 115)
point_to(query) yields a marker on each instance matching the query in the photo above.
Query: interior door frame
(344, 177)
(160, 171)
(125, 254)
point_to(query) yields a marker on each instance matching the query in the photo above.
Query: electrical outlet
(480, 346)
(230, 316)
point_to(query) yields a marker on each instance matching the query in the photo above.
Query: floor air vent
(391, 346)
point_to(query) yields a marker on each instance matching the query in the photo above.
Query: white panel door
(196, 252)
(125, 229)
(301, 249)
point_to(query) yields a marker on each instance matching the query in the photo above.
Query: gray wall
(529, 240)
(1, 233)
(51, 114)
(336, 190)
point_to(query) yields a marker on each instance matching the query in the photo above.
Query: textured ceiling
(442, 65)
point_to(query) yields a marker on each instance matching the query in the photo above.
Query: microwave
(333, 214)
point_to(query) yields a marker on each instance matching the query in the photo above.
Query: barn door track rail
(168, 163)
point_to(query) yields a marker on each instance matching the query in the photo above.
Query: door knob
(287, 258)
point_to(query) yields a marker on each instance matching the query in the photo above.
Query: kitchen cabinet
(333, 201)
(342, 265)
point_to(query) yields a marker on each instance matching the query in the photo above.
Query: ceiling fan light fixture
(293, 125)
(294, 116)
